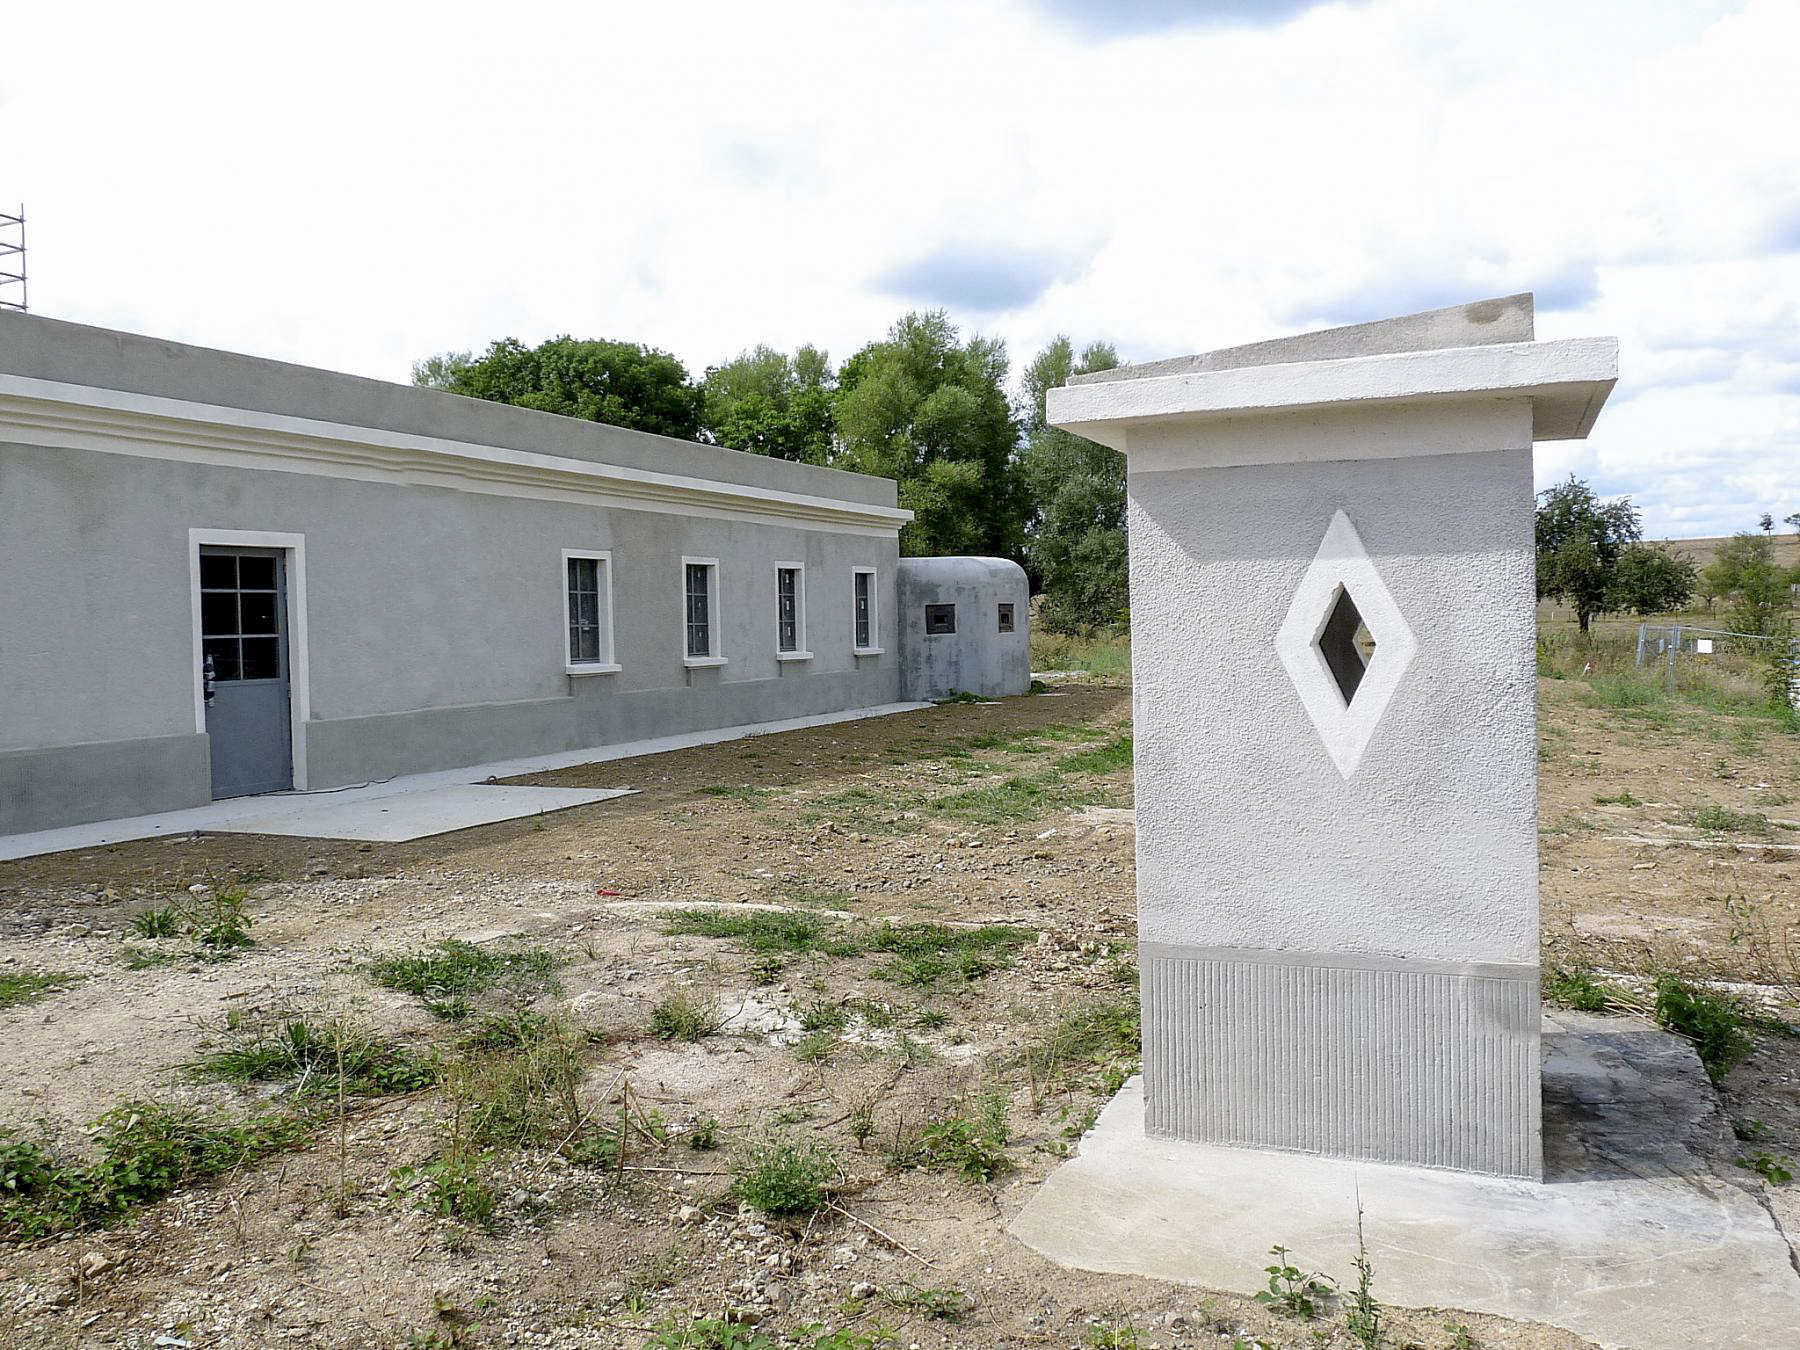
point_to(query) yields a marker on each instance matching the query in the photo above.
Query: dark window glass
(218, 569)
(699, 609)
(262, 658)
(940, 618)
(256, 574)
(224, 654)
(218, 613)
(584, 609)
(864, 638)
(787, 609)
(1006, 618)
(257, 609)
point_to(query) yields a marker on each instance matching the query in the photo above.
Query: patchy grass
(1714, 1023)
(525, 1096)
(742, 792)
(761, 931)
(925, 954)
(1577, 987)
(1101, 654)
(1723, 820)
(443, 977)
(314, 1057)
(785, 1177)
(1114, 755)
(1103, 1039)
(686, 1014)
(970, 1142)
(19, 987)
(143, 1152)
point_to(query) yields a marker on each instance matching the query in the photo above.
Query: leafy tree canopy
(772, 404)
(1652, 580)
(1076, 543)
(931, 411)
(1579, 540)
(620, 383)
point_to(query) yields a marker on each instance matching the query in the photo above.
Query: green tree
(1793, 521)
(620, 383)
(1579, 540)
(1076, 539)
(1744, 568)
(438, 372)
(931, 412)
(1652, 580)
(772, 404)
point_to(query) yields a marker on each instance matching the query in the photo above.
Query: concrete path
(1644, 1236)
(410, 807)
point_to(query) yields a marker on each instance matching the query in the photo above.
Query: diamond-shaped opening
(1346, 644)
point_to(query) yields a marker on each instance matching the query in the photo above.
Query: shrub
(785, 1176)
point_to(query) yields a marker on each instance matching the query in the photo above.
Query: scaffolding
(13, 294)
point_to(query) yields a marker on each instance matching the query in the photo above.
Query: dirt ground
(962, 815)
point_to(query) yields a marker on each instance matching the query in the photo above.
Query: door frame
(293, 548)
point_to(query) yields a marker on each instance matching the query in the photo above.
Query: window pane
(218, 613)
(699, 639)
(256, 574)
(863, 638)
(218, 569)
(1006, 618)
(258, 612)
(583, 575)
(224, 654)
(940, 619)
(262, 658)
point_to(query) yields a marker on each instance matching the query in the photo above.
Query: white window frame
(607, 664)
(800, 652)
(714, 637)
(874, 649)
(299, 675)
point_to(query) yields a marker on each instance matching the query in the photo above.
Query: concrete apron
(1644, 1234)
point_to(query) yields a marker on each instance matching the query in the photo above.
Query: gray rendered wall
(434, 616)
(977, 658)
(1331, 964)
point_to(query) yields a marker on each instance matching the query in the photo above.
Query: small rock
(688, 1214)
(862, 1289)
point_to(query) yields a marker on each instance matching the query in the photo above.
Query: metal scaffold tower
(12, 261)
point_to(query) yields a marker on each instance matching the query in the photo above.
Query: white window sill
(700, 662)
(793, 656)
(592, 668)
(867, 651)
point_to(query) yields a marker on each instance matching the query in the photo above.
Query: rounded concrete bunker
(964, 627)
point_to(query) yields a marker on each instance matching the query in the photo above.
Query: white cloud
(358, 186)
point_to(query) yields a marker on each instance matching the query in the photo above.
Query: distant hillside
(1702, 551)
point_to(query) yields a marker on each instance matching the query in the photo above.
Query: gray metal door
(243, 644)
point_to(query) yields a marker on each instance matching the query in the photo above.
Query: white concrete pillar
(1337, 852)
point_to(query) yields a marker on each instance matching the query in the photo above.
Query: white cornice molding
(111, 421)
(1567, 381)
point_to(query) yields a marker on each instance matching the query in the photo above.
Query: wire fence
(1684, 649)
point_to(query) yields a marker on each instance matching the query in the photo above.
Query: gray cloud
(1133, 18)
(988, 279)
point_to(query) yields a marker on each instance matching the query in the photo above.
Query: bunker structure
(963, 627)
(1332, 605)
(227, 576)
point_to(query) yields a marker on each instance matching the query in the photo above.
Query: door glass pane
(258, 612)
(218, 569)
(256, 574)
(218, 613)
(224, 653)
(262, 658)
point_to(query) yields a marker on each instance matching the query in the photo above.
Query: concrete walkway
(1644, 1236)
(411, 807)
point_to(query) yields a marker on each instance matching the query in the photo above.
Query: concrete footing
(1644, 1234)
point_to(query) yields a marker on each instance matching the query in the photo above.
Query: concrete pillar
(1333, 629)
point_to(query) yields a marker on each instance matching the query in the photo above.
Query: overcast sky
(357, 186)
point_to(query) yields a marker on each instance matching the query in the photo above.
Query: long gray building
(221, 575)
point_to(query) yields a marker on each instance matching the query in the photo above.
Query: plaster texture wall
(977, 658)
(434, 615)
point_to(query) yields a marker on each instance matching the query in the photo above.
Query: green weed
(1104, 1036)
(785, 1177)
(1714, 1023)
(1721, 819)
(934, 1305)
(970, 1143)
(312, 1057)
(1576, 987)
(157, 923)
(443, 977)
(1775, 1168)
(686, 1014)
(926, 953)
(762, 931)
(20, 987)
(455, 1187)
(1292, 1291)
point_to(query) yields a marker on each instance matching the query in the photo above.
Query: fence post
(1674, 654)
(1643, 629)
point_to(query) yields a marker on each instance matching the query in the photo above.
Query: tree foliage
(1745, 569)
(1076, 543)
(1652, 580)
(620, 383)
(931, 412)
(772, 404)
(1579, 541)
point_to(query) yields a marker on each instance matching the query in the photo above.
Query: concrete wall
(433, 616)
(977, 658)
(1342, 964)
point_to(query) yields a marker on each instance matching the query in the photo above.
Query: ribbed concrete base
(1417, 1062)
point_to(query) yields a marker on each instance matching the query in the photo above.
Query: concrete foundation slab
(1643, 1235)
(228, 815)
(414, 815)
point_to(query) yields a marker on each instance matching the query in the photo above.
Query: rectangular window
(940, 619)
(587, 613)
(864, 619)
(1006, 618)
(790, 612)
(240, 629)
(700, 612)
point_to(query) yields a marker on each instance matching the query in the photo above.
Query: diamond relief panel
(1344, 644)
